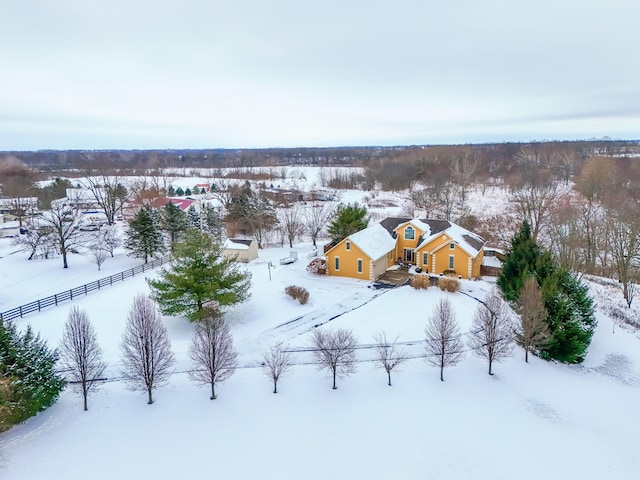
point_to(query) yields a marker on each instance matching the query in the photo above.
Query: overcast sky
(261, 73)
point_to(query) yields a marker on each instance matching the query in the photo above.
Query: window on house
(347, 246)
(359, 265)
(452, 246)
(452, 260)
(425, 260)
(409, 233)
(336, 262)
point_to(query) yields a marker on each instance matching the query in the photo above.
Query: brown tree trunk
(213, 391)
(150, 400)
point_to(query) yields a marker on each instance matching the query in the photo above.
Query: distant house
(436, 246)
(182, 203)
(244, 249)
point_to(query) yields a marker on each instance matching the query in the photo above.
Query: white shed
(245, 250)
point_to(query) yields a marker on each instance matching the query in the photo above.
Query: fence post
(85, 288)
(133, 273)
(71, 294)
(55, 298)
(20, 311)
(38, 305)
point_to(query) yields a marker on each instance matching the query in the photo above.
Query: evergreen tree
(570, 317)
(144, 237)
(198, 276)
(193, 217)
(171, 191)
(179, 192)
(173, 221)
(347, 219)
(521, 262)
(187, 192)
(252, 212)
(213, 224)
(27, 368)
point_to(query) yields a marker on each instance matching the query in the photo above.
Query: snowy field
(528, 421)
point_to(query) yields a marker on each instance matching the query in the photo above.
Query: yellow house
(436, 246)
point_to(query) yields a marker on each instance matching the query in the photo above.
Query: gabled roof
(375, 241)
(391, 223)
(182, 203)
(468, 241)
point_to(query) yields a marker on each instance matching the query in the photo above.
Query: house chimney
(419, 214)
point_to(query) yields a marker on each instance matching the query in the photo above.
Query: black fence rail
(54, 300)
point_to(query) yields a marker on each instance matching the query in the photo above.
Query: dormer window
(452, 246)
(409, 233)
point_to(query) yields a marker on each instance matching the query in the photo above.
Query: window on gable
(452, 261)
(425, 260)
(409, 233)
(359, 265)
(347, 246)
(452, 246)
(336, 263)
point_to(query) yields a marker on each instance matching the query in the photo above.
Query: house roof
(375, 241)
(237, 244)
(182, 203)
(468, 241)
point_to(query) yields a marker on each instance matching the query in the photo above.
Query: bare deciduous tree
(212, 351)
(491, 334)
(289, 220)
(109, 238)
(388, 355)
(463, 170)
(623, 242)
(444, 346)
(276, 362)
(335, 351)
(146, 350)
(108, 191)
(533, 203)
(64, 223)
(316, 218)
(37, 240)
(80, 354)
(533, 330)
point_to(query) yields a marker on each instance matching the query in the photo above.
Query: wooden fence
(54, 300)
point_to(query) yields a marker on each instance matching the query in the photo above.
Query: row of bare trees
(147, 359)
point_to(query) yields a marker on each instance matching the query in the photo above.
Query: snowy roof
(375, 241)
(182, 203)
(236, 244)
(468, 241)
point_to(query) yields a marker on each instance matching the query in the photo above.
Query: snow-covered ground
(528, 421)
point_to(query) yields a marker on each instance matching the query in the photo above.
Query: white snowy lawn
(528, 421)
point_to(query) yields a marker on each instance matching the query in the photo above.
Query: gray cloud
(254, 73)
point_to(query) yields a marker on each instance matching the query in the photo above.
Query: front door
(408, 255)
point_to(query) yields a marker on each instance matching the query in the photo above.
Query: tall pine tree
(570, 317)
(30, 382)
(144, 237)
(173, 221)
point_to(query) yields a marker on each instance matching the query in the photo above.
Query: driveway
(394, 278)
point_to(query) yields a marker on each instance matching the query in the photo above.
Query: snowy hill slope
(530, 421)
